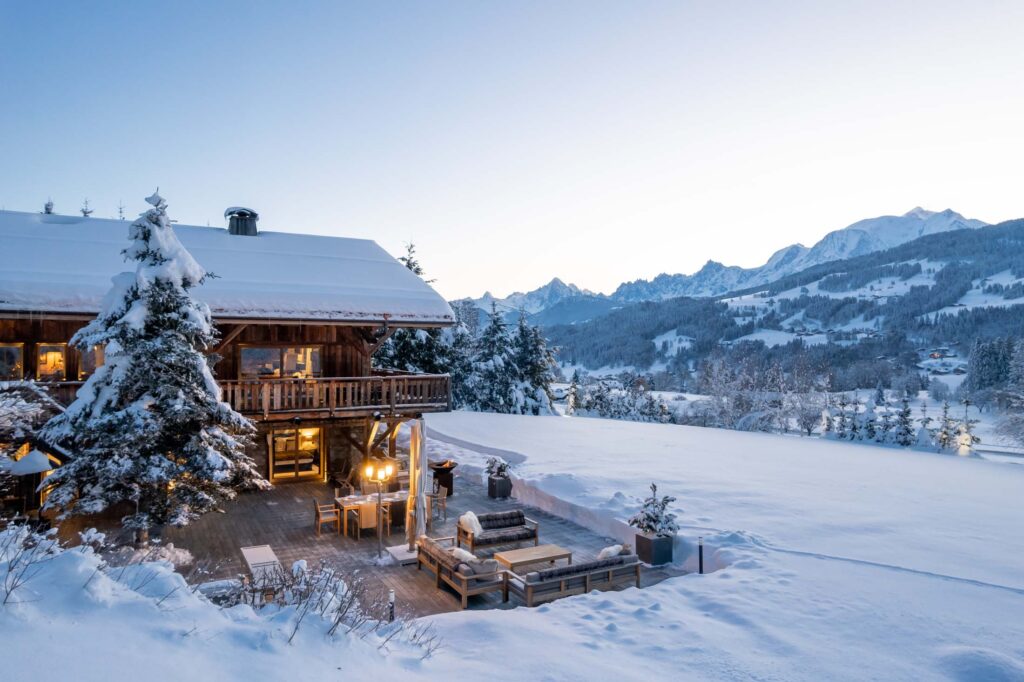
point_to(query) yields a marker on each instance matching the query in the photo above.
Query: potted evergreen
(657, 529)
(498, 482)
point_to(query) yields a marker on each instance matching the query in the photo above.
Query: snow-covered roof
(64, 264)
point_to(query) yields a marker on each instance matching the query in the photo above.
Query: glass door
(296, 454)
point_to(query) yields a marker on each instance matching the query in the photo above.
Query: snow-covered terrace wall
(63, 264)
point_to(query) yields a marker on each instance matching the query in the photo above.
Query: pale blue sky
(516, 141)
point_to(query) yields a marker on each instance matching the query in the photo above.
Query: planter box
(654, 550)
(499, 486)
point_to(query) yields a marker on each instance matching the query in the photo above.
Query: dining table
(350, 502)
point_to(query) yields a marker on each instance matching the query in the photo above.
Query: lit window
(297, 453)
(50, 361)
(88, 362)
(12, 364)
(276, 363)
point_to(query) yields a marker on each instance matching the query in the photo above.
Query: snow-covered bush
(23, 552)
(149, 426)
(497, 467)
(633, 403)
(654, 517)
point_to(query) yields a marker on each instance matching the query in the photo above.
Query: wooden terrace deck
(283, 519)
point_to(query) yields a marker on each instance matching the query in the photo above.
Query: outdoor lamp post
(379, 472)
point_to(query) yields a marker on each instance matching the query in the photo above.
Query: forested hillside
(865, 316)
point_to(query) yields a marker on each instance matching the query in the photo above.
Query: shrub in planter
(657, 529)
(498, 482)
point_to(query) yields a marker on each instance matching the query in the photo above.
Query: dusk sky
(518, 141)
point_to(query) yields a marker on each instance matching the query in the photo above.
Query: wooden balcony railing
(329, 396)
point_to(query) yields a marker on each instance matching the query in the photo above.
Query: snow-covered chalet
(300, 317)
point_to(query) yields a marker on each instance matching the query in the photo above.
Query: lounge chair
(436, 555)
(563, 581)
(500, 528)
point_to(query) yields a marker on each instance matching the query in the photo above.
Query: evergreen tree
(945, 434)
(870, 421)
(965, 433)
(855, 420)
(884, 434)
(572, 397)
(904, 425)
(534, 364)
(1012, 422)
(148, 426)
(495, 376)
(841, 423)
(925, 435)
(426, 351)
(879, 394)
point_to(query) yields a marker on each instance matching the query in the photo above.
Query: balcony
(339, 396)
(280, 399)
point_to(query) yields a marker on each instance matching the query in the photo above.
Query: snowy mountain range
(534, 301)
(860, 238)
(558, 302)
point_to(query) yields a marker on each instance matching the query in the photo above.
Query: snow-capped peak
(919, 213)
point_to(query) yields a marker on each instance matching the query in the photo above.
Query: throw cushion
(481, 566)
(503, 535)
(608, 552)
(463, 555)
(471, 523)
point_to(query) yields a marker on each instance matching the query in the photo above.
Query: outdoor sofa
(562, 581)
(436, 555)
(500, 528)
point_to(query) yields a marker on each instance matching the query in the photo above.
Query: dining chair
(364, 517)
(326, 513)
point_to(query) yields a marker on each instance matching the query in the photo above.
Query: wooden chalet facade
(295, 356)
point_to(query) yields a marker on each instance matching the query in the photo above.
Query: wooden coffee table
(514, 559)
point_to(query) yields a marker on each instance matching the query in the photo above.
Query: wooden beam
(388, 332)
(371, 433)
(232, 335)
(391, 432)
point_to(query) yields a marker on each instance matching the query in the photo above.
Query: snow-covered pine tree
(1012, 422)
(654, 517)
(460, 345)
(879, 394)
(925, 434)
(904, 425)
(495, 374)
(945, 434)
(572, 396)
(148, 426)
(884, 433)
(415, 350)
(869, 430)
(854, 427)
(534, 365)
(965, 439)
(840, 423)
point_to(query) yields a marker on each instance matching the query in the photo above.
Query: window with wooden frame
(51, 361)
(279, 362)
(89, 362)
(296, 454)
(12, 361)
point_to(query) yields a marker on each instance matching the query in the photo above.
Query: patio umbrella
(34, 462)
(417, 482)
